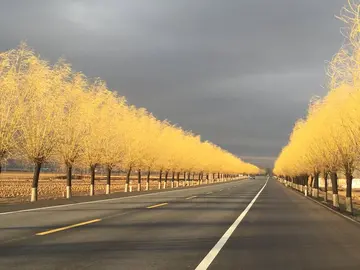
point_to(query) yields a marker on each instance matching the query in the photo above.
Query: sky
(237, 72)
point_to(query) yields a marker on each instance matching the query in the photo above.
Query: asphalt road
(183, 229)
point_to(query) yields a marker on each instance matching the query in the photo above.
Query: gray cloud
(238, 72)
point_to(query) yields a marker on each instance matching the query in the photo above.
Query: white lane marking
(97, 201)
(205, 263)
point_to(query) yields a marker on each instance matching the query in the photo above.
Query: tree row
(327, 141)
(51, 113)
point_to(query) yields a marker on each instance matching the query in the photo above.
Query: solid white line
(97, 201)
(205, 263)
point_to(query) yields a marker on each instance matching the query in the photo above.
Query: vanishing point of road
(245, 224)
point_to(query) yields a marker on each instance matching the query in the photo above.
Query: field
(342, 193)
(15, 187)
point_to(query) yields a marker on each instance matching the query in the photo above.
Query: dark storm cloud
(238, 72)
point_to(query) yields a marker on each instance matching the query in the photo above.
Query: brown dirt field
(27, 175)
(18, 188)
(355, 196)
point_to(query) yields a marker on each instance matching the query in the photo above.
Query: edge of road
(80, 200)
(324, 205)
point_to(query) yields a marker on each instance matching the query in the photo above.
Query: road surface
(233, 225)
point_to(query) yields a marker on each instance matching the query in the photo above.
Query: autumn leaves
(52, 114)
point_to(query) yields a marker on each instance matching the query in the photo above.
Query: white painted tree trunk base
(348, 203)
(92, 190)
(33, 195)
(68, 192)
(336, 200)
(315, 193)
(107, 189)
(126, 187)
(147, 186)
(139, 187)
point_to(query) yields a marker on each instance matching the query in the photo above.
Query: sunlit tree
(38, 134)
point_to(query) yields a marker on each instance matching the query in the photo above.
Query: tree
(114, 114)
(73, 125)
(38, 134)
(51, 113)
(13, 65)
(94, 139)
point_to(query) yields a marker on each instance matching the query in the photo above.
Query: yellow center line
(192, 197)
(156, 205)
(69, 227)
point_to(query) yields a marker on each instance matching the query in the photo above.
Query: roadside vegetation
(326, 143)
(51, 114)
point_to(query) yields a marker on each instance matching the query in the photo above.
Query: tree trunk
(148, 180)
(0, 168)
(193, 179)
(349, 178)
(177, 179)
(68, 180)
(207, 178)
(139, 180)
(35, 182)
(127, 183)
(160, 178)
(92, 181)
(172, 179)
(334, 184)
(305, 184)
(166, 178)
(108, 179)
(316, 185)
(325, 186)
(311, 185)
